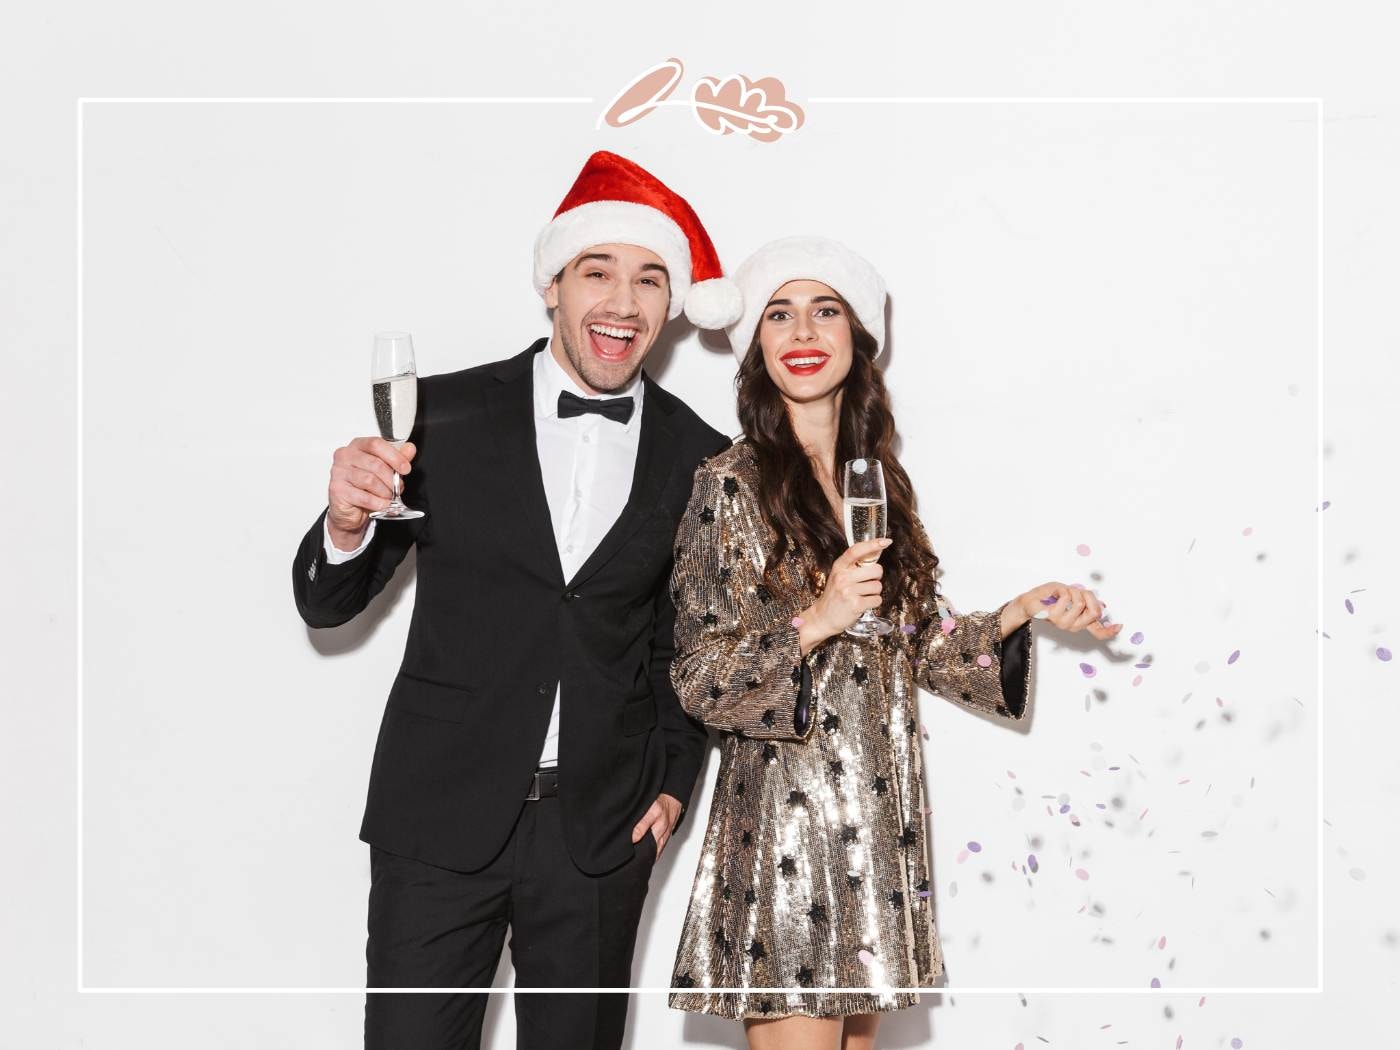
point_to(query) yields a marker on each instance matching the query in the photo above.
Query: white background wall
(1096, 303)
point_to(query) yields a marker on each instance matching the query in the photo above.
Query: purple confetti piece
(1156, 983)
(1233, 657)
(1350, 608)
(922, 893)
(1082, 550)
(1382, 654)
(1064, 808)
(1326, 503)
(1137, 637)
(1048, 601)
(1236, 1043)
(1088, 670)
(1032, 863)
(1142, 666)
(975, 847)
(907, 628)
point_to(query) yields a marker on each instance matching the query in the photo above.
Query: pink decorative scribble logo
(759, 108)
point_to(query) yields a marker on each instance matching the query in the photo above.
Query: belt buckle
(534, 793)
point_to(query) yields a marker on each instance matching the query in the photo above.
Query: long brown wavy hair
(789, 493)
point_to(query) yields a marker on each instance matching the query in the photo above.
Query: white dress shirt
(586, 463)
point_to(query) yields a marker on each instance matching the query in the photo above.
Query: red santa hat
(614, 201)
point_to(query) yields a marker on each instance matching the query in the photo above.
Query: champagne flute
(394, 378)
(867, 518)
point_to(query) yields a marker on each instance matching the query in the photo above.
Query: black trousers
(434, 928)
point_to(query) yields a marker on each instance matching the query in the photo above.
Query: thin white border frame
(1316, 101)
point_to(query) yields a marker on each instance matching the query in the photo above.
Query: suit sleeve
(738, 666)
(963, 658)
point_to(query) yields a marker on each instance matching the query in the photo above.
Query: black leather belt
(544, 784)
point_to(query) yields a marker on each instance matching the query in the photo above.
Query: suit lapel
(649, 477)
(510, 419)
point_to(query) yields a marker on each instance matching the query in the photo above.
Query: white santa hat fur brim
(810, 259)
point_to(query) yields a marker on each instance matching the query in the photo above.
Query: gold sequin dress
(814, 871)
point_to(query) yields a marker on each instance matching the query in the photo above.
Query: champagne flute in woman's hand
(866, 519)
(394, 378)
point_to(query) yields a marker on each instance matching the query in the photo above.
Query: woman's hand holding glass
(1069, 607)
(852, 588)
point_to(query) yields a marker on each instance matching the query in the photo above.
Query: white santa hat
(807, 259)
(614, 201)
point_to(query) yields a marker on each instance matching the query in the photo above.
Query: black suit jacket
(496, 626)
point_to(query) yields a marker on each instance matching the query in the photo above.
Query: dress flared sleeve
(738, 664)
(963, 658)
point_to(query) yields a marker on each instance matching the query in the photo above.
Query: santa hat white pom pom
(716, 303)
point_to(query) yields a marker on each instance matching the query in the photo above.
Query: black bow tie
(618, 409)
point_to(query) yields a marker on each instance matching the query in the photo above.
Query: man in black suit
(533, 759)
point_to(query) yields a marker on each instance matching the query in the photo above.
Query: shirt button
(578, 493)
(569, 549)
(587, 439)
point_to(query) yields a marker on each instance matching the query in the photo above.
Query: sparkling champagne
(865, 519)
(395, 406)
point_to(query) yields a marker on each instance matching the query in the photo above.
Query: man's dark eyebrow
(600, 256)
(815, 299)
(658, 266)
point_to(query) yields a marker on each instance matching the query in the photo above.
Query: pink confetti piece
(947, 624)
(984, 660)
(1382, 654)
(1082, 550)
(962, 855)
(865, 957)
(1161, 942)
(1080, 873)
(1350, 608)
(1233, 657)
(1011, 774)
(923, 730)
(1202, 1002)
(1178, 1042)
(1183, 780)
(975, 847)
(1219, 702)
(1143, 814)
(1136, 638)
(1137, 679)
(1248, 530)
(1087, 670)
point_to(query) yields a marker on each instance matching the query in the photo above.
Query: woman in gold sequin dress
(814, 872)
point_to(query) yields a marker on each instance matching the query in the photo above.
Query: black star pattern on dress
(817, 913)
(788, 867)
(849, 833)
(880, 785)
(707, 515)
(896, 899)
(726, 893)
(838, 769)
(821, 657)
(739, 790)
(746, 839)
(768, 716)
(804, 976)
(770, 752)
(731, 486)
(796, 675)
(754, 683)
(922, 887)
(797, 798)
(831, 723)
(709, 619)
(852, 881)
(716, 692)
(762, 593)
(911, 726)
(965, 695)
(750, 896)
(860, 674)
(683, 981)
(756, 951)
(765, 1007)
(885, 730)
(675, 595)
(966, 656)
(765, 642)
(725, 572)
(910, 837)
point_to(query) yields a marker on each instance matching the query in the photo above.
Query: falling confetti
(975, 847)
(1080, 873)
(1236, 1043)
(1137, 637)
(947, 624)
(908, 628)
(962, 855)
(1156, 983)
(1137, 679)
(1087, 669)
(1350, 608)
(1382, 654)
(865, 957)
(1082, 550)
(1233, 657)
(1032, 863)
(1248, 530)
(1162, 942)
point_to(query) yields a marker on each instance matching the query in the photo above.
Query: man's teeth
(616, 333)
(803, 362)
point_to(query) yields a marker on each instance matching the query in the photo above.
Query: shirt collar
(551, 380)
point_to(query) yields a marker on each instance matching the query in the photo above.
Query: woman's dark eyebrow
(815, 299)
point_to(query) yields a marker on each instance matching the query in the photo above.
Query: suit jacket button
(570, 595)
(542, 688)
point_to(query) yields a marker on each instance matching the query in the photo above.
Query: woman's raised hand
(1069, 607)
(852, 586)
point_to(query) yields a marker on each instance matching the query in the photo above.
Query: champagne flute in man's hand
(394, 378)
(866, 519)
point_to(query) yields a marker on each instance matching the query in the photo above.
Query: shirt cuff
(336, 556)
